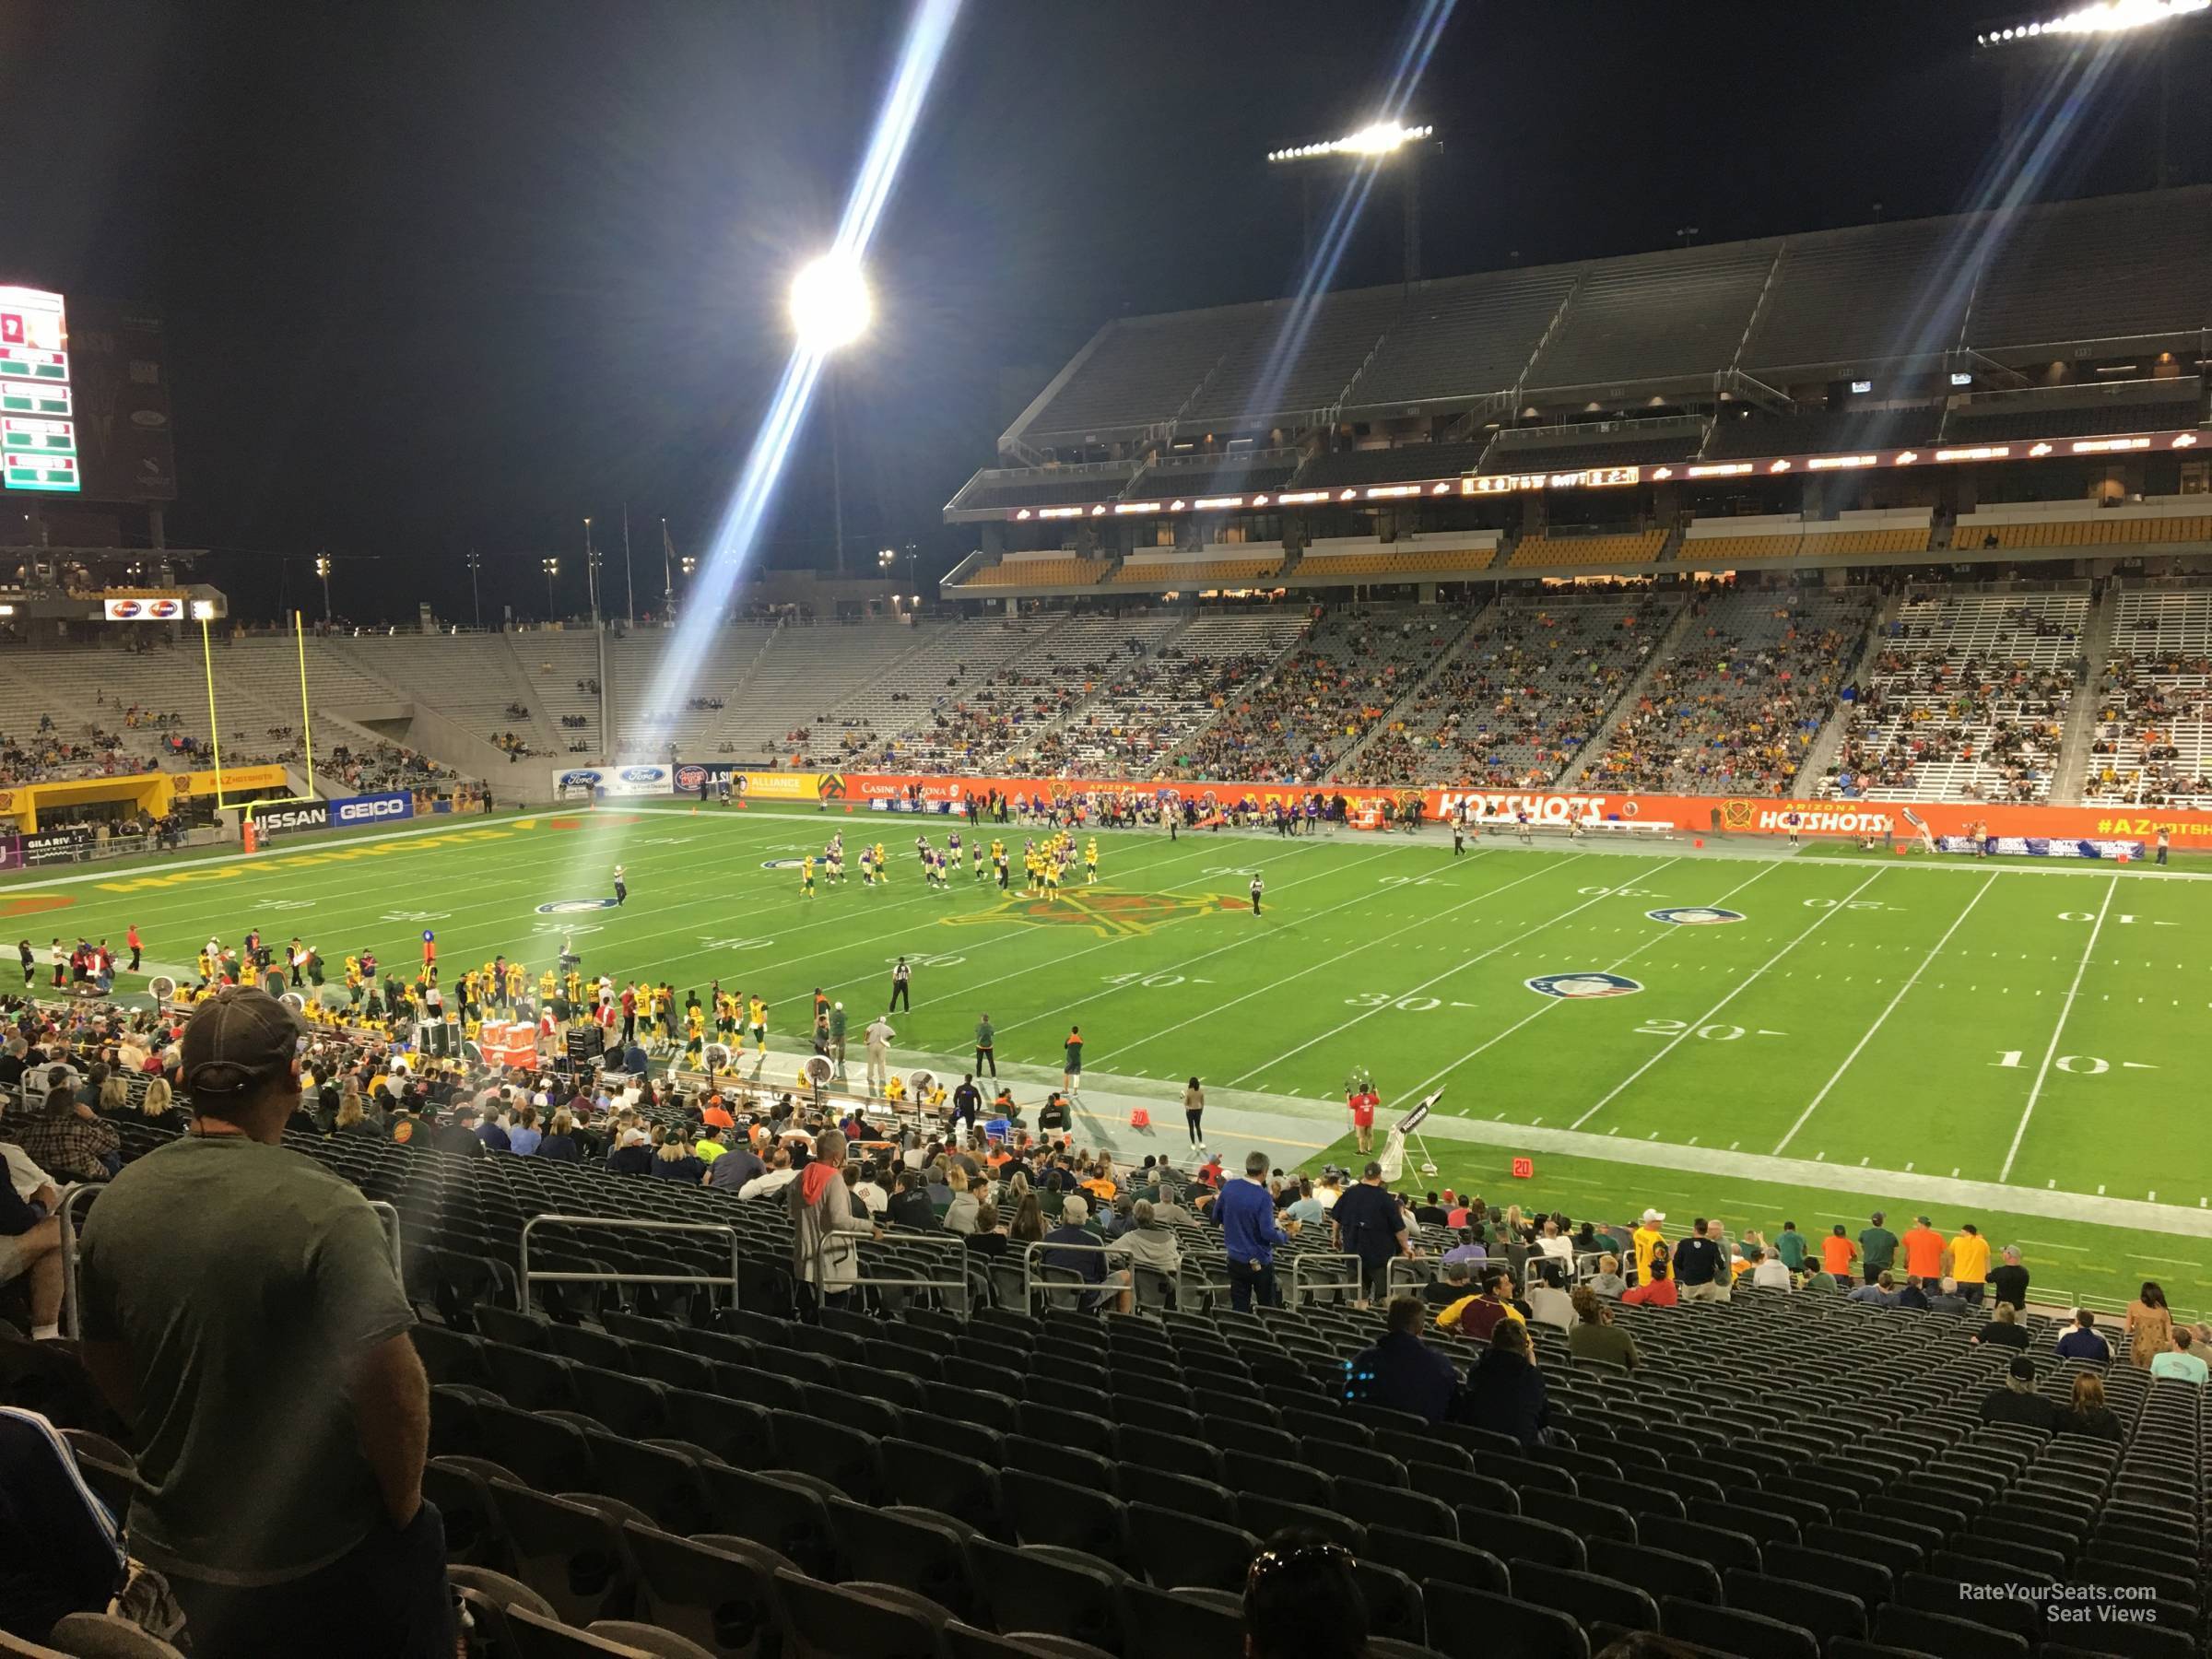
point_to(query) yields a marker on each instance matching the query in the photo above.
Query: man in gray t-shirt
(241, 1311)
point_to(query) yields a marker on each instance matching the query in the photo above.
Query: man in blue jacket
(1249, 1235)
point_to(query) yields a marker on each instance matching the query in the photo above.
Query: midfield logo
(1108, 914)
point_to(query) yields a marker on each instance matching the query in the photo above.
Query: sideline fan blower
(919, 1084)
(817, 1071)
(162, 987)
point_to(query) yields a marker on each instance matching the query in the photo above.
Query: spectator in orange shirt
(1838, 1255)
(1923, 1251)
(716, 1115)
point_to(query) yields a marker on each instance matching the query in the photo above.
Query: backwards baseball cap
(237, 1039)
(1073, 1210)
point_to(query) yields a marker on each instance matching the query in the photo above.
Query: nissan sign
(285, 820)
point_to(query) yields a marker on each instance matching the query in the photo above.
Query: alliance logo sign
(1581, 987)
(1695, 916)
(570, 906)
(782, 864)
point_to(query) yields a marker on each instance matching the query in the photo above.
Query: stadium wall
(1697, 815)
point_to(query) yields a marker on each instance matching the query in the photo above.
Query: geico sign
(381, 807)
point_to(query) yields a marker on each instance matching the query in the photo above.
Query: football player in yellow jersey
(549, 987)
(575, 984)
(725, 1015)
(806, 875)
(1090, 860)
(1052, 878)
(758, 1010)
(514, 983)
(883, 870)
(695, 1022)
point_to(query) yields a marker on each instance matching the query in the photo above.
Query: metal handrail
(1420, 1272)
(72, 1264)
(1031, 1284)
(956, 1285)
(1299, 1287)
(72, 1296)
(389, 1215)
(524, 1278)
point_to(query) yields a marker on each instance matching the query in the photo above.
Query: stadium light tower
(551, 566)
(830, 308)
(323, 570)
(1393, 142)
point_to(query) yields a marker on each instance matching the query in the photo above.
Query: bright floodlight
(1380, 138)
(829, 304)
(2107, 18)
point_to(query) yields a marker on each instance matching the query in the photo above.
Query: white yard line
(1880, 1019)
(1362, 898)
(1421, 1088)
(1434, 978)
(1741, 986)
(2057, 1031)
(1331, 962)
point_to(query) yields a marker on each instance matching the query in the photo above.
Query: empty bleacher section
(2078, 411)
(997, 489)
(646, 729)
(1360, 468)
(1736, 701)
(1966, 700)
(1657, 316)
(1529, 685)
(1621, 548)
(560, 671)
(478, 687)
(1297, 360)
(2151, 745)
(1609, 444)
(1860, 296)
(986, 686)
(783, 703)
(2157, 520)
(1441, 554)
(1722, 543)
(1225, 564)
(1147, 704)
(1216, 475)
(1742, 432)
(906, 1479)
(1350, 668)
(2106, 268)
(1044, 569)
(1462, 337)
(1142, 369)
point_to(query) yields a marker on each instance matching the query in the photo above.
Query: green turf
(1793, 1032)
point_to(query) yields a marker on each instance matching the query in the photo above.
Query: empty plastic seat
(852, 1622)
(1173, 1549)
(569, 1553)
(722, 1596)
(1731, 1631)
(1475, 1624)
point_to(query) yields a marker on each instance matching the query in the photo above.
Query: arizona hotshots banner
(1691, 814)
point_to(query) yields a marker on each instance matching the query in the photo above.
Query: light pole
(591, 571)
(476, 599)
(551, 566)
(830, 308)
(1371, 145)
(667, 577)
(323, 570)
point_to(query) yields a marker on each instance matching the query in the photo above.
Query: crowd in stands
(1941, 696)
(1544, 1375)
(2132, 756)
(1350, 668)
(1734, 706)
(1517, 702)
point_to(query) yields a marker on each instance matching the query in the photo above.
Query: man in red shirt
(131, 938)
(1364, 1102)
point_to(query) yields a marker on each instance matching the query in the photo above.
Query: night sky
(447, 276)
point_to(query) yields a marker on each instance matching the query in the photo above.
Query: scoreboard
(38, 414)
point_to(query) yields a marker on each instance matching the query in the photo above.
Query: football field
(1712, 1026)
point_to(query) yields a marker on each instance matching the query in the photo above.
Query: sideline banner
(611, 782)
(1689, 815)
(232, 777)
(347, 812)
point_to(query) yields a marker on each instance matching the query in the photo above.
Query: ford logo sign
(580, 777)
(642, 774)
